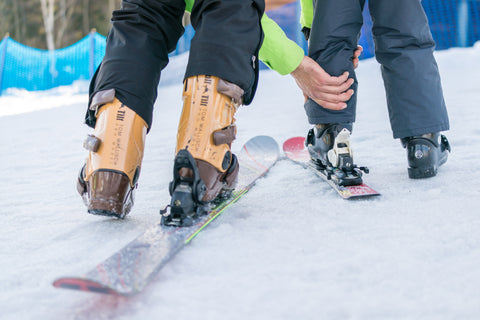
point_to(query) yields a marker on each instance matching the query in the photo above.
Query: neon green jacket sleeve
(306, 16)
(278, 52)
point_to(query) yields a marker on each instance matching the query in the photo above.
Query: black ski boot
(425, 154)
(329, 148)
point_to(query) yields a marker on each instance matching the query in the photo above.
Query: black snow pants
(227, 38)
(403, 46)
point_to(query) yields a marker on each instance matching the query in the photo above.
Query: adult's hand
(328, 91)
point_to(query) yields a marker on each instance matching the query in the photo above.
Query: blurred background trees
(54, 24)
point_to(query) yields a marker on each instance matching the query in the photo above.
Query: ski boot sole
(423, 172)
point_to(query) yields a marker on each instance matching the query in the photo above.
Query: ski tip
(262, 142)
(263, 150)
(82, 285)
(294, 144)
(294, 149)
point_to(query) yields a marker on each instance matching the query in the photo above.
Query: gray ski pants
(403, 46)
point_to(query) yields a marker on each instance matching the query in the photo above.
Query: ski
(131, 268)
(295, 150)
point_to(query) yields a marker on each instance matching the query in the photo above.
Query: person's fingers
(333, 101)
(356, 61)
(331, 105)
(358, 51)
(335, 89)
(343, 87)
(337, 80)
(357, 54)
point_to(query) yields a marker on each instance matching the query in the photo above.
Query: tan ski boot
(204, 167)
(110, 174)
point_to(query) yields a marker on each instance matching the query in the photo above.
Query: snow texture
(290, 249)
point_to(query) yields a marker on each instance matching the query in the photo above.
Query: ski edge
(86, 285)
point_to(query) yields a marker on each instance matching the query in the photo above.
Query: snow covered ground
(291, 249)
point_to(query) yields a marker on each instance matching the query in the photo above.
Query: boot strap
(225, 135)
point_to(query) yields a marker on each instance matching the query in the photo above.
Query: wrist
(299, 69)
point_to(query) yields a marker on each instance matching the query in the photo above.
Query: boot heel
(110, 194)
(425, 154)
(422, 172)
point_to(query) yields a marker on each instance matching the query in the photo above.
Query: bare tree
(52, 24)
(49, 22)
(86, 16)
(16, 19)
(4, 17)
(22, 16)
(64, 15)
(112, 5)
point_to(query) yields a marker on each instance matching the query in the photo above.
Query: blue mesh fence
(35, 69)
(454, 23)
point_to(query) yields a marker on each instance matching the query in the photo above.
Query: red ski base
(82, 285)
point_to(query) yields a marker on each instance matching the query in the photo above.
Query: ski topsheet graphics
(295, 150)
(131, 268)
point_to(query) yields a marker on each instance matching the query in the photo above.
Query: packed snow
(290, 249)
